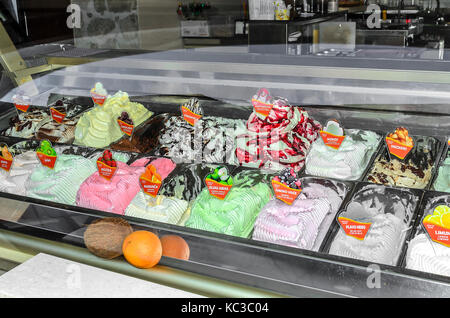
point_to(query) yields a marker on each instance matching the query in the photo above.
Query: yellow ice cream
(99, 128)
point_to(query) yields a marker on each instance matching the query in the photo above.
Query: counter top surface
(46, 276)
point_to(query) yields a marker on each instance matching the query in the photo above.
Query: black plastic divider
(445, 154)
(384, 152)
(379, 149)
(359, 186)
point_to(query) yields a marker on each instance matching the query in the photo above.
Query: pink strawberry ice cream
(115, 195)
(280, 140)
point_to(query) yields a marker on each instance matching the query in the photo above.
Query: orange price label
(57, 115)
(106, 171)
(127, 129)
(353, 228)
(438, 233)
(5, 164)
(149, 187)
(261, 107)
(331, 140)
(189, 116)
(22, 107)
(217, 189)
(98, 99)
(448, 141)
(284, 193)
(397, 149)
(46, 160)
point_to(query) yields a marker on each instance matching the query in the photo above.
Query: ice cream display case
(253, 236)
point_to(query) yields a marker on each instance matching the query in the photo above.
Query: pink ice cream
(115, 195)
(298, 225)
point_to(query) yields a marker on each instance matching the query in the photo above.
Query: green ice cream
(61, 183)
(99, 128)
(442, 182)
(236, 214)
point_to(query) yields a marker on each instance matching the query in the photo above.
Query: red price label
(22, 107)
(438, 233)
(5, 164)
(127, 129)
(98, 99)
(150, 188)
(397, 149)
(106, 171)
(261, 107)
(331, 140)
(217, 189)
(354, 229)
(46, 160)
(189, 116)
(57, 115)
(284, 193)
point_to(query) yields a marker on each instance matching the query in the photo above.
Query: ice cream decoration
(262, 103)
(288, 177)
(150, 181)
(58, 111)
(126, 124)
(22, 102)
(438, 225)
(106, 165)
(399, 143)
(99, 94)
(287, 186)
(333, 134)
(6, 158)
(219, 182)
(192, 111)
(333, 127)
(46, 154)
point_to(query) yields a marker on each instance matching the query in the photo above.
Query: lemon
(441, 209)
(445, 220)
(433, 219)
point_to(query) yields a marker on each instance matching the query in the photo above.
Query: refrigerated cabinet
(376, 94)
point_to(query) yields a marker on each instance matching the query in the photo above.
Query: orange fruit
(142, 249)
(175, 246)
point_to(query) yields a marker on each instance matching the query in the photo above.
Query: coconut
(104, 237)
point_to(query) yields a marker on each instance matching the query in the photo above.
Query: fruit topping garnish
(107, 159)
(401, 135)
(220, 175)
(46, 148)
(151, 174)
(289, 177)
(125, 117)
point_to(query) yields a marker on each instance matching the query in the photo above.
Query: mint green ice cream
(61, 183)
(236, 214)
(346, 163)
(442, 182)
